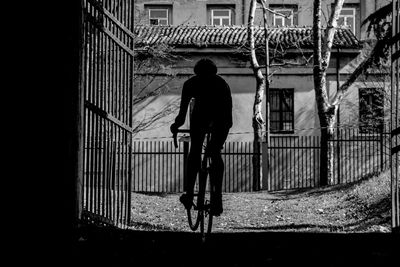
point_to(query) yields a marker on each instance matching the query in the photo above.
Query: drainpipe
(243, 12)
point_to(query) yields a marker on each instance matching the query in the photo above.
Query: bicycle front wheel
(195, 214)
(207, 220)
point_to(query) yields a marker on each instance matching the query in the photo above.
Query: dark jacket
(213, 102)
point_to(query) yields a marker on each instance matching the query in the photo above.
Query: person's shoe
(186, 200)
(216, 206)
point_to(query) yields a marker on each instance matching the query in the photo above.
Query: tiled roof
(234, 36)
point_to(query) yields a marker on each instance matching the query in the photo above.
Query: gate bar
(394, 155)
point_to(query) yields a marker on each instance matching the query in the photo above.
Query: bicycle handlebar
(175, 135)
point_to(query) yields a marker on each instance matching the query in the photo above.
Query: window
(159, 15)
(347, 18)
(286, 20)
(289, 18)
(221, 15)
(371, 110)
(282, 110)
(350, 16)
(290, 15)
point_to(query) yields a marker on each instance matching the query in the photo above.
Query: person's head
(205, 66)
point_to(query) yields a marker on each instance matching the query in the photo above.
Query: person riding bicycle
(212, 112)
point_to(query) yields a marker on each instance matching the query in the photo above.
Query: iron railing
(395, 116)
(159, 167)
(107, 63)
(294, 162)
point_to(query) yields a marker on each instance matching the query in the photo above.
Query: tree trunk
(258, 129)
(325, 159)
(328, 124)
(257, 170)
(327, 154)
(267, 139)
(326, 111)
(257, 120)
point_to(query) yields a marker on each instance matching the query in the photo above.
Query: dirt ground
(361, 207)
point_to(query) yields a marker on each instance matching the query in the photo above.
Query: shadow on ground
(317, 191)
(102, 246)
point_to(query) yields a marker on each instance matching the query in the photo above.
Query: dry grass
(361, 207)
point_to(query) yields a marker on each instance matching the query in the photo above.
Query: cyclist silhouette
(212, 111)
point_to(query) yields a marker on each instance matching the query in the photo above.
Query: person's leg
(217, 141)
(193, 164)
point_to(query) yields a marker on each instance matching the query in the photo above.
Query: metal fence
(107, 69)
(294, 162)
(159, 167)
(359, 154)
(395, 116)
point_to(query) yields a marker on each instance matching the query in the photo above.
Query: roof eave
(348, 50)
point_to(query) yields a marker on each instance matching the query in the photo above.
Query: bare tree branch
(273, 11)
(367, 63)
(146, 122)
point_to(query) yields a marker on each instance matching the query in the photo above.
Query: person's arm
(185, 100)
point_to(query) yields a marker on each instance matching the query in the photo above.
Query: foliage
(380, 25)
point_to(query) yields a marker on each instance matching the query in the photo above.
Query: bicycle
(199, 213)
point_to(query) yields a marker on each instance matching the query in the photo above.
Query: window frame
(231, 8)
(281, 121)
(279, 10)
(294, 8)
(167, 8)
(220, 17)
(354, 9)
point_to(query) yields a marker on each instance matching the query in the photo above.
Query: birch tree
(261, 127)
(328, 106)
(258, 122)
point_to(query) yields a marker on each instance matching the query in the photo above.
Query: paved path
(112, 247)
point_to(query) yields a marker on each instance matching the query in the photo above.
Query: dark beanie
(205, 66)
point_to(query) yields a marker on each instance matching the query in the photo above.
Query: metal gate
(395, 116)
(107, 63)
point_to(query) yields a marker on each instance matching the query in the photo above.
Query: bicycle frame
(202, 206)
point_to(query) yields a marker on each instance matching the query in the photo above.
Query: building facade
(293, 108)
(235, 12)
